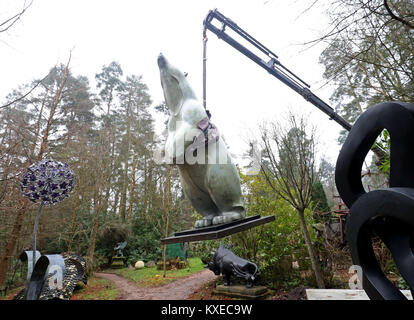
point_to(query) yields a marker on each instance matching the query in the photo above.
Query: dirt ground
(178, 290)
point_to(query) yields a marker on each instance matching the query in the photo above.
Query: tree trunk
(56, 101)
(126, 160)
(149, 189)
(7, 254)
(98, 208)
(132, 190)
(72, 229)
(116, 200)
(166, 214)
(318, 275)
(37, 133)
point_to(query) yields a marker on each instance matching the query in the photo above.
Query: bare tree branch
(25, 95)
(392, 14)
(11, 21)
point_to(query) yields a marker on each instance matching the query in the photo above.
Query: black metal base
(217, 231)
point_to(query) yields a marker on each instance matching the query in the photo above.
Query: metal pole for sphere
(34, 235)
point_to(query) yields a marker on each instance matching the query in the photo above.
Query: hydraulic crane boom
(273, 65)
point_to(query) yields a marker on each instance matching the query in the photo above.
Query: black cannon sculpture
(386, 213)
(225, 262)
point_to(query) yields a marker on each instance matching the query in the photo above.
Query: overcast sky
(240, 95)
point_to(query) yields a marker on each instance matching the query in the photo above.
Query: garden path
(180, 289)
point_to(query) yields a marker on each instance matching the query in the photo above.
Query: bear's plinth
(219, 231)
(240, 291)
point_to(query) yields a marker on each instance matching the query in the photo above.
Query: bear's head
(175, 85)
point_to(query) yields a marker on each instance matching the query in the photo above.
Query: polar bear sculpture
(209, 178)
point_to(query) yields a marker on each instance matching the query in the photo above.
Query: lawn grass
(97, 289)
(151, 277)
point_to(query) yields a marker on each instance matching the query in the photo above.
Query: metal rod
(34, 235)
(204, 68)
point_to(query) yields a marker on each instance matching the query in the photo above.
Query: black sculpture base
(218, 231)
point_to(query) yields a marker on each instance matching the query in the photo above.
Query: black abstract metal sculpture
(225, 262)
(386, 213)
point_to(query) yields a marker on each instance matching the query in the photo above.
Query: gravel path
(180, 289)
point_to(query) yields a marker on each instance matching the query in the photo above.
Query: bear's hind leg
(224, 188)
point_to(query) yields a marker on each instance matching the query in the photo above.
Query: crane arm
(273, 65)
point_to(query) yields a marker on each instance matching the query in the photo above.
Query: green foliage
(54, 245)
(16, 277)
(384, 141)
(402, 284)
(273, 246)
(320, 205)
(280, 244)
(144, 243)
(109, 236)
(319, 201)
(369, 55)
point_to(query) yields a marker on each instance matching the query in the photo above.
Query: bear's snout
(161, 61)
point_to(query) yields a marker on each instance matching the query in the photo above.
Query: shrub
(276, 245)
(144, 243)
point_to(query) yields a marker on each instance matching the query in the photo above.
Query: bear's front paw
(227, 217)
(203, 223)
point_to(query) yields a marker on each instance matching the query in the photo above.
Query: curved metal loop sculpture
(386, 213)
(67, 269)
